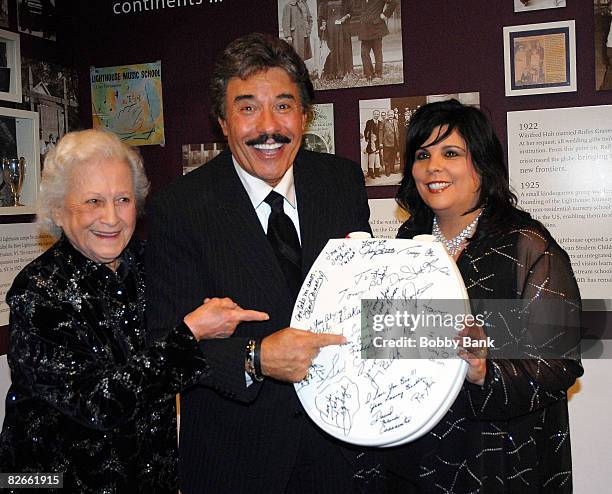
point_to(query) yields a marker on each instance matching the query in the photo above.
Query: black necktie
(285, 242)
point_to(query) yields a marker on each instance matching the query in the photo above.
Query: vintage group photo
(526, 5)
(382, 136)
(345, 43)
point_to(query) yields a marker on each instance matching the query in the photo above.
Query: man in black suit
(370, 134)
(372, 29)
(389, 140)
(243, 428)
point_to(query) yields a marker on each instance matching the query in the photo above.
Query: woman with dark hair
(508, 429)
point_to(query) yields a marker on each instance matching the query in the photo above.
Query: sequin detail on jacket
(88, 398)
(511, 435)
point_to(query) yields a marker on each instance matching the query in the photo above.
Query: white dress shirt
(258, 190)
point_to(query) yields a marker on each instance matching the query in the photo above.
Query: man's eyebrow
(243, 97)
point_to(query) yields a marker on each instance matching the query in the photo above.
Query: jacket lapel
(312, 197)
(245, 233)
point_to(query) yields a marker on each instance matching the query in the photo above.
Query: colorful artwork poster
(319, 133)
(127, 100)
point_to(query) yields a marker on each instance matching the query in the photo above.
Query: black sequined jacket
(88, 398)
(510, 435)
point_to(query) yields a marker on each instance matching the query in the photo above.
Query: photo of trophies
(13, 172)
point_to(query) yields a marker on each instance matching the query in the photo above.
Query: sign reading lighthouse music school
(127, 100)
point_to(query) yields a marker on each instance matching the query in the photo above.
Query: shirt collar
(258, 190)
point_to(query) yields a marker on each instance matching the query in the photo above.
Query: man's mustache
(263, 138)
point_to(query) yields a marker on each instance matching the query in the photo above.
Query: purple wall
(448, 47)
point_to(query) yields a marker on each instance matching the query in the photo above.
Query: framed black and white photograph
(540, 58)
(4, 15)
(196, 155)
(37, 17)
(19, 149)
(526, 5)
(345, 43)
(319, 132)
(382, 133)
(603, 44)
(51, 90)
(10, 66)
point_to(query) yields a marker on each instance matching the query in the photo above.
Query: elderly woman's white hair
(79, 148)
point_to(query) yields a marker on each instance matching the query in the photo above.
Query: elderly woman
(88, 398)
(508, 429)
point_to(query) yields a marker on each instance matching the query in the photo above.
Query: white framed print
(10, 66)
(540, 58)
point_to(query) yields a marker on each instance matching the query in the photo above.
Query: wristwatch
(252, 360)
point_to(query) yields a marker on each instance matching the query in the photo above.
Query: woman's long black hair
(488, 158)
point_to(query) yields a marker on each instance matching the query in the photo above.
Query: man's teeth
(268, 147)
(438, 185)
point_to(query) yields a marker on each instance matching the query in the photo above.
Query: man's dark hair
(254, 53)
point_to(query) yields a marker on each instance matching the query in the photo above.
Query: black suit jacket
(370, 134)
(371, 26)
(205, 240)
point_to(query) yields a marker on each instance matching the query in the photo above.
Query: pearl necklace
(454, 245)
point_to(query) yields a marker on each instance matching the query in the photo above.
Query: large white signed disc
(387, 401)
